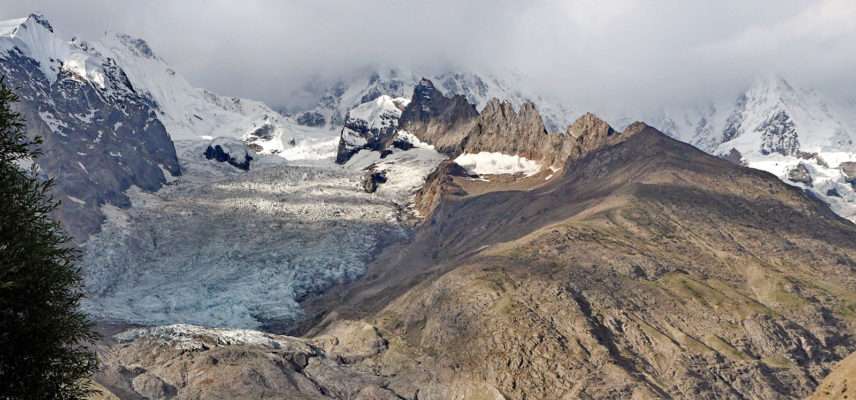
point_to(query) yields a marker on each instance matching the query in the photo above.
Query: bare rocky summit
(454, 129)
(436, 119)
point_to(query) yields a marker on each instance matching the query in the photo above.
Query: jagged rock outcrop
(848, 169)
(779, 135)
(801, 174)
(502, 129)
(840, 384)
(499, 128)
(232, 151)
(371, 125)
(436, 119)
(100, 135)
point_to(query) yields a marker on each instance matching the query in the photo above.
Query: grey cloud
(593, 54)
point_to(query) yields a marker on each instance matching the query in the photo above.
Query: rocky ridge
(639, 273)
(371, 125)
(499, 128)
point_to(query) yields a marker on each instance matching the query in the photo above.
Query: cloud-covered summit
(594, 54)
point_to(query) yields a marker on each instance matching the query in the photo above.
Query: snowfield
(487, 163)
(224, 247)
(828, 182)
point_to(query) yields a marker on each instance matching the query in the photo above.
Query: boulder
(229, 150)
(373, 180)
(152, 387)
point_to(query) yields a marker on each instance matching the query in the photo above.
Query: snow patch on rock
(488, 163)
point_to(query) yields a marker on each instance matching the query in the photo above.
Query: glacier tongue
(224, 247)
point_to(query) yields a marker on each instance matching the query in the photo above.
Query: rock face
(232, 151)
(779, 135)
(800, 174)
(648, 270)
(311, 118)
(498, 129)
(849, 170)
(100, 135)
(734, 157)
(438, 184)
(371, 126)
(502, 129)
(840, 384)
(184, 361)
(436, 119)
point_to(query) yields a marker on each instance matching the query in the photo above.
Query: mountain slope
(777, 127)
(101, 136)
(839, 384)
(649, 269)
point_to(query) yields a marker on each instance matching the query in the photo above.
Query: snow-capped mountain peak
(478, 87)
(775, 117)
(14, 27)
(797, 134)
(119, 63)
(34, 37)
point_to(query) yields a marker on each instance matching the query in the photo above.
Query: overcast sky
(589, 52)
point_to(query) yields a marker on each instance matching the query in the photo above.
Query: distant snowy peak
(100, 135)
(380, 111)
(793, 133)
(477, 88)
(775, 117)
(122, 63)
(191, 113)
